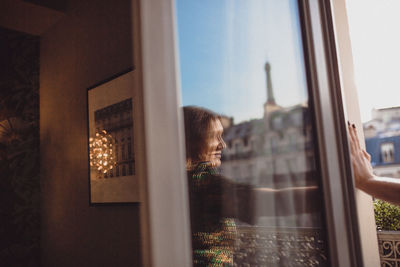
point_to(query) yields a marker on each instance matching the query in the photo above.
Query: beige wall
(89, 44)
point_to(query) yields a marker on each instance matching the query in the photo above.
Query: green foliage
(387, 216)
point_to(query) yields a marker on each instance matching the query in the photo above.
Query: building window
(251, 173)
(123, 170)
(269, 167)
(278, 123)
(129, 148)
(236, 173)
(293, 139)
(238, 148)
(116, 151)
(123, 151)
(130, 169)
(297, 118)
(245, 140)
(253, 145)
(274, 144)
(387, 152)
(292, 164)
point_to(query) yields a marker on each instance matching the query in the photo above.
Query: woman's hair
(197, 129)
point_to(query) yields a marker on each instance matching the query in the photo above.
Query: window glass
(254, 189)
(387, 152)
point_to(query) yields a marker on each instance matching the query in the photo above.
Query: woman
(216, 200)
(213, 232)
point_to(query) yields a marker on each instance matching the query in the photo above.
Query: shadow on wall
(19, 149)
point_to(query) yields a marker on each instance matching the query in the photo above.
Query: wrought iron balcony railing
(389, 248)
(292, 247)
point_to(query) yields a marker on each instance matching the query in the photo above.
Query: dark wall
(91, 43)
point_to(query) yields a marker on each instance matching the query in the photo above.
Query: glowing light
(101, 153)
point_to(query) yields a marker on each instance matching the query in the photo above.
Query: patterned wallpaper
(19, 149)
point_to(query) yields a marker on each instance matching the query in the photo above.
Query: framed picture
(111, 123)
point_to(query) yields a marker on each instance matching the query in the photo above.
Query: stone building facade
(276, 150)
(117, 120)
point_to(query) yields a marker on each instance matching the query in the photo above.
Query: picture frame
(111, 143)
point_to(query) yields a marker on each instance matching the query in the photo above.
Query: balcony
(265, 246)
(389, 248)
(294, 247)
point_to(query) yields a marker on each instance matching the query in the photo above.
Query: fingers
(356, 137)
(354, 141)
(351, 132)
(366, 155)
(352, 138)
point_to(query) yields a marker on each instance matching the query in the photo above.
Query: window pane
(254, 187)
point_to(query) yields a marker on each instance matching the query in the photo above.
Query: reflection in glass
(253, 185)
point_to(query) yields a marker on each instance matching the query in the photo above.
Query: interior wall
(90, 44)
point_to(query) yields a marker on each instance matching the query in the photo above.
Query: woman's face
(215, 144)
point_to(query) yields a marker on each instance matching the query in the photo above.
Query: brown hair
(197, 127)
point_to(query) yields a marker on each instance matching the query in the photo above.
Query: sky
(223, 47)
(375, 37)
(224, 44)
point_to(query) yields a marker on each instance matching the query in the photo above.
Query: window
(269, 167)
(278, 123)
(192, 56)
(292, 164)
(238, 148)
(274, 143)
(253, 145)
(130, 168)
(116, 149)
(129, 148)
(124, 170)
(250, 174)
(387, 152)
(213, 79)
(293, 141)
(123, 151)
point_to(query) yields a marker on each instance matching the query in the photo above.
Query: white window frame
(350, 103)
(167, 197)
